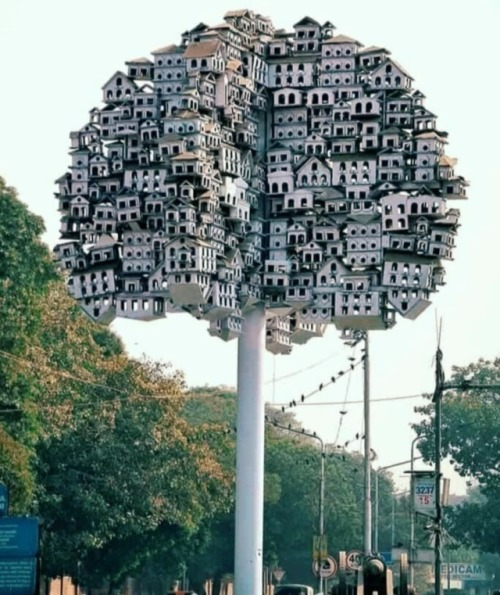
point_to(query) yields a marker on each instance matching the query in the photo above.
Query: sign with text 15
(424, 494)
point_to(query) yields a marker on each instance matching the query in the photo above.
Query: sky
(57, 54)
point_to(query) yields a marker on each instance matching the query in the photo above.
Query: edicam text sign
(461, 571)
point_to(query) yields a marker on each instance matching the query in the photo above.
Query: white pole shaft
(250, 455)
(367, 541)
(322, 505)
(376, 513)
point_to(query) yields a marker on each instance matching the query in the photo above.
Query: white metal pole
(367, 541)
(376, 513)
(322, 506)
(250, 455)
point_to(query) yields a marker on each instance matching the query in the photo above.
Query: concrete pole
(250, 455)
(375, 541)
(322, 504)
(437, 490)
(437, 399)
(367, 540)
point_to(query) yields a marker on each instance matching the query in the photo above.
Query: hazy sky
(57, 54)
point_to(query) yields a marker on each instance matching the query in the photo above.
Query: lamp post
(321, 520)
(412, 513)
(375, 546)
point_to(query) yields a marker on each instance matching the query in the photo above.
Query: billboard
(464, 571)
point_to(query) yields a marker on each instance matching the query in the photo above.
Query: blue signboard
(18, 576)
(18, 537)
(387, 557)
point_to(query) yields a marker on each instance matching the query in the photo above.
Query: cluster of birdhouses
(248, 165)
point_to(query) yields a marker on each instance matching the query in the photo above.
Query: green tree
(91, 440)
(25, 271)
(292, 476)
(127, 479)
(470, 422)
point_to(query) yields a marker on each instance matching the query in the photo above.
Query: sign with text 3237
(424, 495)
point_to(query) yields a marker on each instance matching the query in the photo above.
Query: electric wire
(343, 412)
(301, 402)
(359, 401)
(297, 372)
(305, 396)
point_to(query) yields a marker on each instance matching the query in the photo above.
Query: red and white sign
(354, 560)
(326, 568)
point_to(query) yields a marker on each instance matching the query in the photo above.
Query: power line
(357, 402)
(297, 372)
(304, 396)
(343, 411)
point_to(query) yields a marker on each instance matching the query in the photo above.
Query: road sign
(18, 537)
(325, 569)
(424, 496)
(320, 549)
(354, 560)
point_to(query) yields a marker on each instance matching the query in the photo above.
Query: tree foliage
(91, 440)
(471, 438)
(25, 271)
(292, 488)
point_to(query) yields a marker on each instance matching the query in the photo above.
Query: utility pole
(440, 387)
(367, 540)
(437, 399)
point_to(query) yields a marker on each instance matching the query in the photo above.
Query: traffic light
(375, 577)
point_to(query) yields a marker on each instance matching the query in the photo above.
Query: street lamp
(377, 471)
(321, 523)
(412, 513)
